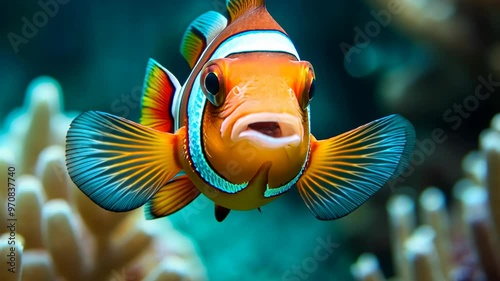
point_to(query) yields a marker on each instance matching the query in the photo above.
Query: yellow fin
(344, 171)
(171, 198)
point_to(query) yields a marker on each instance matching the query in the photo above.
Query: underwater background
(422, 59)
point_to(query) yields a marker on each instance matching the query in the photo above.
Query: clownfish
(238, 131)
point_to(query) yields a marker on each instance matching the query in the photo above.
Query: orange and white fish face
(258, 113)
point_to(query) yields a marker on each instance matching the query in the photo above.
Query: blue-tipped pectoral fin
(117, 163)
(346, 170)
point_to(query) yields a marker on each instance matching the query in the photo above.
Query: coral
(456, 243)
(59, 234)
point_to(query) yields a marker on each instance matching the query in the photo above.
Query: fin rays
(346, 170)
(117, 163)
(199, 34)
(172, 197)
(160, 87)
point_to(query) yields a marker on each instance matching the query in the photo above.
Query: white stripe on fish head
(248, 41)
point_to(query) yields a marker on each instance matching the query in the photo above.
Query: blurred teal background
(98, 51)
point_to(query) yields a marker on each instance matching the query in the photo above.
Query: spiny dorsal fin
(200, 33)
(238, 7)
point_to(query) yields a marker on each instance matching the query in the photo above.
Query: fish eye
(308, 86)
(312, 89)
(212, 84)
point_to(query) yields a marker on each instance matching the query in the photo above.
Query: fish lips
(266, 129)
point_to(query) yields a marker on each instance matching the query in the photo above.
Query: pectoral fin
(117, 163)
(344, 171)
(176, 194)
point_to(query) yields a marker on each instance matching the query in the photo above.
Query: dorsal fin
(200, 33)
(238, 7)
(158, 93)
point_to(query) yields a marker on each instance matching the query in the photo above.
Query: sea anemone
(56, 232)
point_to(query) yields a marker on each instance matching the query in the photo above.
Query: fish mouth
(270, 130)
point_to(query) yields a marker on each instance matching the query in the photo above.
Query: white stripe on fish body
(249, 41)
(176, 105)
(245, 42)
(256, 41)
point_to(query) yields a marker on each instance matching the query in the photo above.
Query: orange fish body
(237, 157)
(237, 131)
